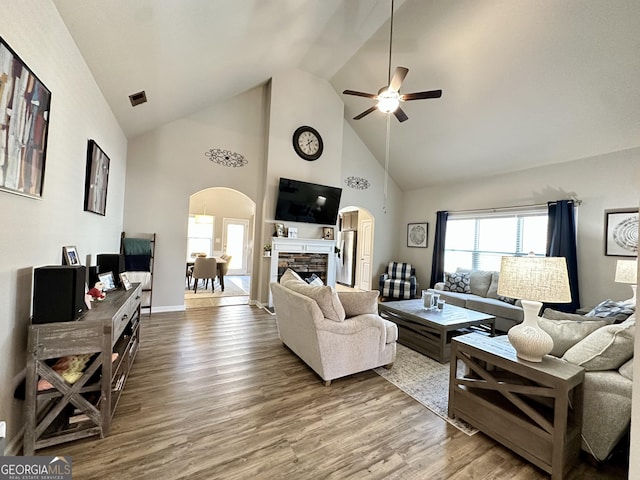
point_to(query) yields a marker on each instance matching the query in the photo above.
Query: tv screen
(307, 202)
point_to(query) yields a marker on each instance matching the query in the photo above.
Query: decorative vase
(530, 341)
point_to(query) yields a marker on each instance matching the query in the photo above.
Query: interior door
(365, 236)
(235, 240)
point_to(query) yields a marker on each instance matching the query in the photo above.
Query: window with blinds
(478, 240)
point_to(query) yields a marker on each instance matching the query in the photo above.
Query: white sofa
(336, 334)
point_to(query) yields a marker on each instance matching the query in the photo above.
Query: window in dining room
(200, 234)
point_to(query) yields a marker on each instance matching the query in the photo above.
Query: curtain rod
(576, 202)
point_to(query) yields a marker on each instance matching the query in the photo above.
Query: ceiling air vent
(138, 98)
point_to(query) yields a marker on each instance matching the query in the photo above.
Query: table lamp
(627, 272)
(533, 280)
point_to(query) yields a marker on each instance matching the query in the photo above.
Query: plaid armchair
(398, 281)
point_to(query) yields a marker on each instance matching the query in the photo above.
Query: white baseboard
(169, 308)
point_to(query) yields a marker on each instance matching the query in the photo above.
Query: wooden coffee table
(430, 331)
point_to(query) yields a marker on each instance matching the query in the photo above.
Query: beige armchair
(334, 334)
(205, 269)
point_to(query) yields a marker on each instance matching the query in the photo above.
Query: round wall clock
(307, 143)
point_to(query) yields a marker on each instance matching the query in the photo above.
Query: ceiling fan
(389, 97)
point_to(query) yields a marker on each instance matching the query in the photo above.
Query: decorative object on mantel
(292, 232)
(533, 280)
(357, 183)
(622, 232)
(417, 235)
(627, 272)
(279, 230)
(24, 124)
(327, 233)
(267, 250)
(226, 158)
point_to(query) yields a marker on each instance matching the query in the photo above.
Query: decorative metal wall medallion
(226, 158)
(358, 183)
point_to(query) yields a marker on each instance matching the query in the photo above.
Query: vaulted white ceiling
(525, 83)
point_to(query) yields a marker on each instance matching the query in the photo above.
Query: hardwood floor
(215, 395)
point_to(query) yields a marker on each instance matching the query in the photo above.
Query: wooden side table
(534, 409)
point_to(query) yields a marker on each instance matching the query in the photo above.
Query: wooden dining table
(219, 267)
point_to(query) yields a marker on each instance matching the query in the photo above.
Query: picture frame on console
(96, 180)
(621, 232)
(25, 105)
(417, 234)
(108, 281)
(125, 281)
(70, 255)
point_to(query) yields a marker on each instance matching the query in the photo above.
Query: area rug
(424, 379)
(231, 289)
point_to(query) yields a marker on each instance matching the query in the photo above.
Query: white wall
(167, 165)
(36, 230)
(603, 182)
(359, 162)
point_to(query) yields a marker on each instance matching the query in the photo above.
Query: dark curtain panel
(561, 242)
(437, 263)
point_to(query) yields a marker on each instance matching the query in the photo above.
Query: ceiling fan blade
(360, 94)
(365, 113)
(400, 115)
(421, 95)
(398, 78)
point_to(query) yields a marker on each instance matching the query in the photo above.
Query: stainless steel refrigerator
(346, 263)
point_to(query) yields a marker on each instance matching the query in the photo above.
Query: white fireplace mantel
(302, 245)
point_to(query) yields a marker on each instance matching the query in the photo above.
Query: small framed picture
(327, 233)
(280, 229)
(292, 232)
(417, 235)
(621, 232)
(70, 255)
(108, 281)
(125, 281)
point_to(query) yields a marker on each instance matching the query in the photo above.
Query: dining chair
(205, 269)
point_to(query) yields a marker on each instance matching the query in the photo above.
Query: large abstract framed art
(621, 232)
(24, 123)
(97, 178)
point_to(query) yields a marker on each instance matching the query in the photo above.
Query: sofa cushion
(496, 308)
(358, 303)
(609, 308)
(492, 292)
(326, 298)
(605, 349)
(480, 280)
(626, 370)
(566, 333)
(459, 282)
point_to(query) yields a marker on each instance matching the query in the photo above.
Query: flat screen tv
(307, 202)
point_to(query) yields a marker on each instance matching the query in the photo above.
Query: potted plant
(267, 250)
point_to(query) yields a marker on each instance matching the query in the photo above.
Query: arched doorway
(221, 223)
(355, 240)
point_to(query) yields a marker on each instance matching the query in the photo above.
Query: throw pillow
(326, 297)
(566, 333)
(480, 281)
(558, 315)
(605, 349)
(314, 280)
(509, 300)
(609, 308)
(290, 276)
(459, 282)
(359, 303)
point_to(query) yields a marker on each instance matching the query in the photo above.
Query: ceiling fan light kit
(388, 98)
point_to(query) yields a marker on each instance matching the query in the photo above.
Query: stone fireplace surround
(306, 256)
